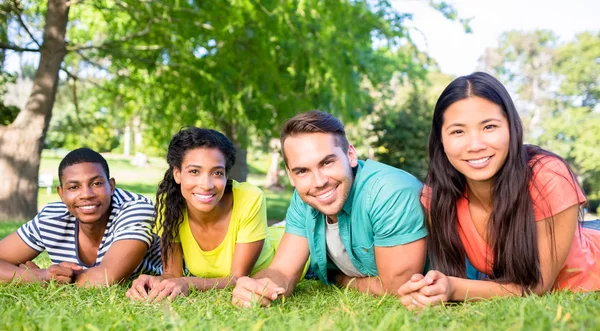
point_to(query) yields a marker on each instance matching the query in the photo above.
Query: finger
(416, 277)
(174, 294)
(31, 265)
(163, 294)
(136, 294)
(70, 265)
(154, 292)
(63, 279)
(425, 301)
(434, 275)
(266, 289)
(247, 298)
(412, 286)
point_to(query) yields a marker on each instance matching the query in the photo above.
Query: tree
(573, 130)
(21, 142)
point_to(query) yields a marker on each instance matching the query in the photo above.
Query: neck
(95, 231)
(481, 193)
(213, 216)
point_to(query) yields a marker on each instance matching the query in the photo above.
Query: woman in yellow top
(217, 226)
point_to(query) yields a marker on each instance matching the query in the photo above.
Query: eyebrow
(326, 158)
(199, 166)
(487, 120)
(77, 181)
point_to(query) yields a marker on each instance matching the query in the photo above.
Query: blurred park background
(122, 76)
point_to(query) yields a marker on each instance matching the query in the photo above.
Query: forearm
(371, 285)
(204, 284)
(21, 275)
(473, 290)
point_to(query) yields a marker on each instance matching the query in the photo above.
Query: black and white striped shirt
(55, 230)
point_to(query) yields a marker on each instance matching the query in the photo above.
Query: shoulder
(378, 176)
(548, 168)
(245, 193)
(122, 199)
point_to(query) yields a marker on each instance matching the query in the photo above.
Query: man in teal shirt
(360, 222)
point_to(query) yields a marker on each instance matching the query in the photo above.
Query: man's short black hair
(82, 155)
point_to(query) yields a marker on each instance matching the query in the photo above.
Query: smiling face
(87, 192)
(202, 178)
(476, 138)
(320, 170)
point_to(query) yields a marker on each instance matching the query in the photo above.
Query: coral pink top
(552, 190)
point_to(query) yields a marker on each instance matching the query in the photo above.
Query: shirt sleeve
(397, 215)
(253, 222)
(135, 222)
(553, 188)
(30, 234)
(294, 218)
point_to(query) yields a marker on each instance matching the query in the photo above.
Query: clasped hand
(423, 291)
(155, 288)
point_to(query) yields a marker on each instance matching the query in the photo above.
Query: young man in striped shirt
(98, 235)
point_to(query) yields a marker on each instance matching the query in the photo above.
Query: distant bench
(46, 180)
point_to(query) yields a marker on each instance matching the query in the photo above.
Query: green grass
(313, 306)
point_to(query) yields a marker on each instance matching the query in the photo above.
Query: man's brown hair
(315, 121)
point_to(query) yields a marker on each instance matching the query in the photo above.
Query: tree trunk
(273, 180)
(239, 171)
(22, 141)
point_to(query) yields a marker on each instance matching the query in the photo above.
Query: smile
(204, 197)
(88, 208)
(326, 195)
(479, 161)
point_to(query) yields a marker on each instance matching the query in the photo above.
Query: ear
(352, 156)
(60, 192)
(287, 170)
(113, 185)
(177, 175)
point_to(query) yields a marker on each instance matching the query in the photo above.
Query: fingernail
(428, 280)
(274, 296)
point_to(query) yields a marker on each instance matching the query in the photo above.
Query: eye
(300, 172)
(71, 187)
(98, 183)
(490, 127)
(456, 132)
(193, 171)
(219, 173)
(327, 162)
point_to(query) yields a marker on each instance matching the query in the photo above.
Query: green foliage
(400, 126)
(402, 135)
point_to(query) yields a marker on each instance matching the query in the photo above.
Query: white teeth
(480, 161)
(204, 197)
(326, 195)
(87, 207)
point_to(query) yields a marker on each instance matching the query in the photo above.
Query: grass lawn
(313, 306)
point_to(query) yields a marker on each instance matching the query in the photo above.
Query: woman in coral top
(217, 226)
(504, 218)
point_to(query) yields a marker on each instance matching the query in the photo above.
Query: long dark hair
(511, 228)
(170, 204)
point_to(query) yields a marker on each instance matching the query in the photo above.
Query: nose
(476, 143)
(206, 182)
(87, 192)
(321, 179)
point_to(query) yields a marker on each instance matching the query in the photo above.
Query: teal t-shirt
(383, 209)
